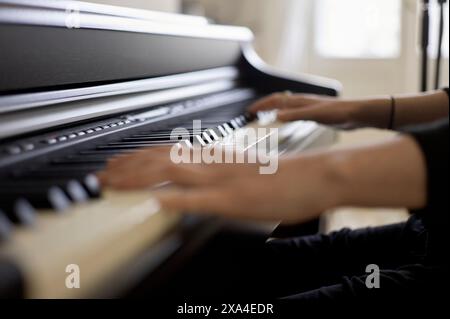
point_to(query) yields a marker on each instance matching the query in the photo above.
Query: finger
(199, 201)
(156, 156)
(180, 174)
(131, 181)
(134, 178)
(149, 153)
(270, 102)
(284, 101)
(132, 173)
(317, 114)
(139, 161)
(142, 153)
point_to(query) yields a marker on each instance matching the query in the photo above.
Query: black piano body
(80, 83)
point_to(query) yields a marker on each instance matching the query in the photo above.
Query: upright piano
(80, 83)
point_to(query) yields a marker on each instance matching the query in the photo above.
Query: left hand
(293, 194)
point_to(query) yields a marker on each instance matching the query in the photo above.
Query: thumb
(199, 201)
(306, 114)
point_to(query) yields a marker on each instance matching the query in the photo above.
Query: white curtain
(281, 27)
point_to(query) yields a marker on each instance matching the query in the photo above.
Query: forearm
(390, 174)
(409, 109)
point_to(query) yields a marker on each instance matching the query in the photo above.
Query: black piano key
(160, 137)
(198, 140)
(138, 143)
(162, 131)
(213, 123)
(53, 176)
(89, 182)
(213, 134)
(53, 170)
(227, 128)
(63, 174)
(53, 197)
(239, 121)
(19, 211)
(104, 152)
(234, 124)
(188, 128)
(75, 191)
(144, 139)
(244, 119)
(80, 160)
(152, 137)
(56, 174)
(80, 173)
(89, 167)
(131, 146)
(5, 227)
(92, 185)
(207, 138)
(250, 117)
(72, 188)
(17, 173)
(222, 131)
(87, 158)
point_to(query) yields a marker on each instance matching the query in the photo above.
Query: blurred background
(371, 46)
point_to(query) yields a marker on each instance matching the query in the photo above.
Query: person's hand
(324, 109)
(384, 174)
(294, 193)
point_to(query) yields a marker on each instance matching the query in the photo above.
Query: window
(434, 30)
(358, 29)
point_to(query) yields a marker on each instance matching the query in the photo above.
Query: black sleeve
(433, 139)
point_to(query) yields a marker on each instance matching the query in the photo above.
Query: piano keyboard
(63, 115)
(66, 178)
(101, 230)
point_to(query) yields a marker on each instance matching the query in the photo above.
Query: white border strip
(107, 10)
(27, 16)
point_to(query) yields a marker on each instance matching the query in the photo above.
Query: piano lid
(49, 45)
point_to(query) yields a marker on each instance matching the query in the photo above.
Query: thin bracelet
(392, 114)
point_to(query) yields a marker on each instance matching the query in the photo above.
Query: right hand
(323, 109)
(230, 189)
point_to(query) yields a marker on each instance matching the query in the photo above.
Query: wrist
(342, 176)
(333, 171)
(371, 112)
(385, 174)
(356, 111)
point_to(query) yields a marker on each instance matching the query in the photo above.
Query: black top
(433, 139)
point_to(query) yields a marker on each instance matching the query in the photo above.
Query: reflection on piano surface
(72, 98)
